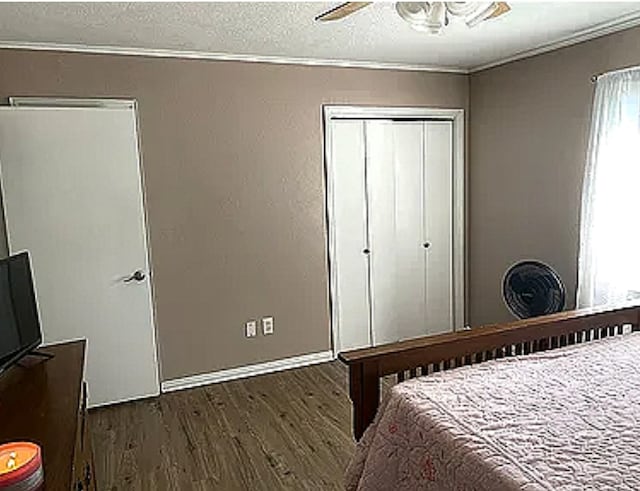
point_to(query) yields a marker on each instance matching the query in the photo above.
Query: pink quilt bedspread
(567, 419)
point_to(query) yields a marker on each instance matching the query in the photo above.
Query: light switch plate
(251, 329)
(267, 325)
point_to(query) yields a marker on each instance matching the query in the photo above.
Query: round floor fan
(532, 288)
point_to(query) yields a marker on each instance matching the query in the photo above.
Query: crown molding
(620, 24)
(204, 55)
(625, 22)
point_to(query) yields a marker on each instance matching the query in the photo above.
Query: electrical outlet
(267, 325)
(251, 329)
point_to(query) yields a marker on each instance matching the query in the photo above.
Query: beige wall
(234, 174)
(529, 123)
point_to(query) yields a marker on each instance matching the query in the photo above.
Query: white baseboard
(246, 371)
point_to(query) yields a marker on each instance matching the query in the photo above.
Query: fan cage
(532, 288)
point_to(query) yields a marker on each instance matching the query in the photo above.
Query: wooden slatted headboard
(421, 356)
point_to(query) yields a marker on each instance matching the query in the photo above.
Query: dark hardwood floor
(288, 430)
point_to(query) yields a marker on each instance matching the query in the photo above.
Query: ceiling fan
(429, 17)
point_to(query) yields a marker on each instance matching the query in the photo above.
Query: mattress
(566, 419)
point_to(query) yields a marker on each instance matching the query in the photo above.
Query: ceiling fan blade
(501, 8)
(342, 11)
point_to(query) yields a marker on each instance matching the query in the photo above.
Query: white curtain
(609, 269)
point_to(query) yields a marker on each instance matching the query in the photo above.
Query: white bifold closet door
(350, 265)
(393, 230)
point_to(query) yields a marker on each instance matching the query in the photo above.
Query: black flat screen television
(19, 322)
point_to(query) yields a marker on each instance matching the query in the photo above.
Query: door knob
(426, 245)
(137, 276)
(366, 251)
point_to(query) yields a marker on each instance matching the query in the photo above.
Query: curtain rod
(594, 78)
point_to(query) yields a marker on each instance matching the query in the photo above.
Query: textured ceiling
(375, 34)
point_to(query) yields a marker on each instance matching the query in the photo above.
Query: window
(609, 270)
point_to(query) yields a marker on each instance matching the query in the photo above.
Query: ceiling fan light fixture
(432, 17)
(436, 18)
(423, 16)
(415, 13)
(461, 9)
(481, 11)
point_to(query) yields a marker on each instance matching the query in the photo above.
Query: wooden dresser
(44, 401)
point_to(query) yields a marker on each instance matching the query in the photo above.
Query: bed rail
(425, 355)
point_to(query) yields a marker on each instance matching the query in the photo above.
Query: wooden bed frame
(421, 356)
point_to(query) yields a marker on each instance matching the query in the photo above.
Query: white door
(391, 197)
(72, 196)
(349, 274)
(438, 226)
(395, 175)
(409, 182)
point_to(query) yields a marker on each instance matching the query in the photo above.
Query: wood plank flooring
(288, 430)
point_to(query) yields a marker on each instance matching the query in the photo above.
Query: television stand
(47, 404)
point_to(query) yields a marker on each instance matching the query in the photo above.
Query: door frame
(457, 117)
(103, 103)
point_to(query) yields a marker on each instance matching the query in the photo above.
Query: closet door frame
(456, 117)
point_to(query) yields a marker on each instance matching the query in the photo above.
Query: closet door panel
(350, 268)
(438, 183)
(409, 167)
(381, 206)
(396, 219)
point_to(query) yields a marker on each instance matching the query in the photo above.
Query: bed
(547, 403)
